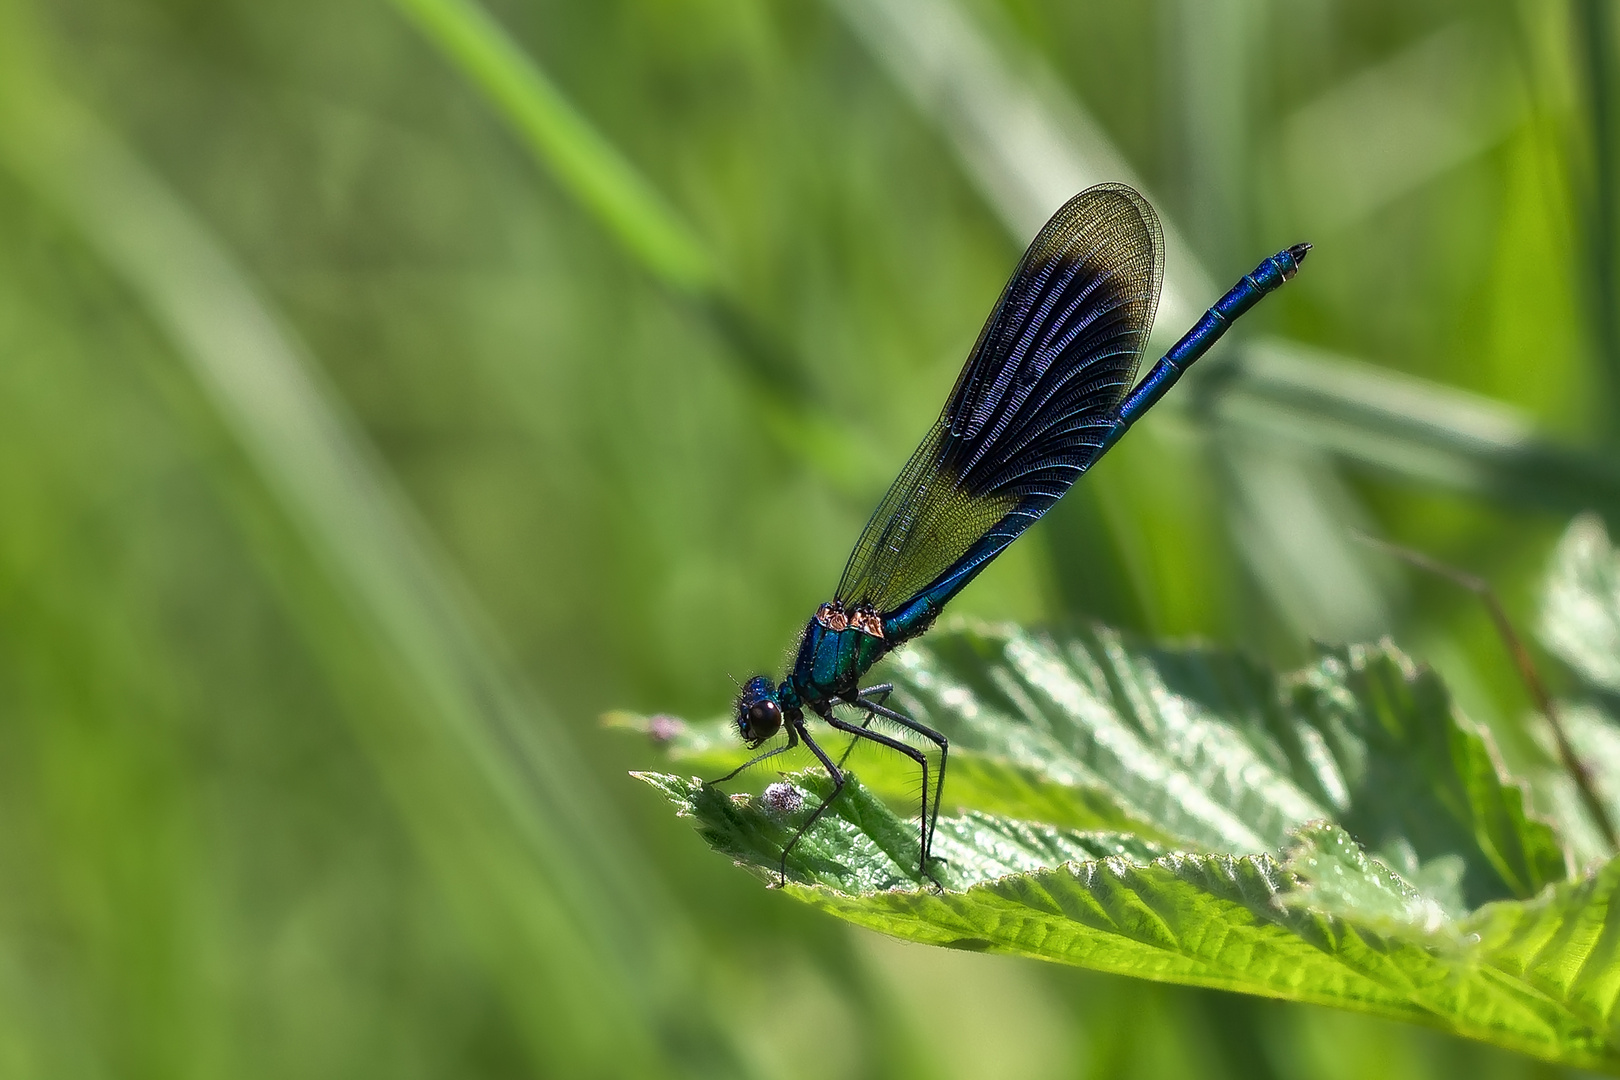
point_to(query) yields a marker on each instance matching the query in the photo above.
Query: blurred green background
(386, 390)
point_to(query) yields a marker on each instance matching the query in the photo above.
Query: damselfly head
(759, 713)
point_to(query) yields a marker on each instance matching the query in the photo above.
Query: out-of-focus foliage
(350, 463)
(1580, 617)
(1580, 611)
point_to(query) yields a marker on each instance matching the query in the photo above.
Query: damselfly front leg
(792, 741)
(796, 726)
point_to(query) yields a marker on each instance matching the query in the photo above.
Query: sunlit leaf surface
(1327, 925)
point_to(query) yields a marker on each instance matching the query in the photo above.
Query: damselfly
(1045, 392)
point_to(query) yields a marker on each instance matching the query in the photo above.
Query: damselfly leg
(860, 731)
(792, 741)
(837, 774)
(864, 701)
(879, 693)
(872, 701)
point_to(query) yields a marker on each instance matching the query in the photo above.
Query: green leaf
(862, 846)
(1339, 835)
(1336, 875)
(1328, 926)
(1594, 737)
(1223, 755)
(1579, 622)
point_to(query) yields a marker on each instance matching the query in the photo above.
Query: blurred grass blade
(586, 164)
(1286, 510)
(1217, 56)
(1396, 126)
(603, 181)
(1291, 514)
(1593, 36)
(525, 843)
(1411, 428)
(1021, 138)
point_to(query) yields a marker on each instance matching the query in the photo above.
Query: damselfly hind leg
(876, 708)
(914, 754)
(879, 693)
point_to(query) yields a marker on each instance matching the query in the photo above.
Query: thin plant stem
(1567, 757)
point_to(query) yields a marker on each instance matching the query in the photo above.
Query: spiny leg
(837, 774)
(793, 740)
(922, 762)
(885, 689)
(876, 708)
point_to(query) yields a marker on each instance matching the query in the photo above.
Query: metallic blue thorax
(836, 650)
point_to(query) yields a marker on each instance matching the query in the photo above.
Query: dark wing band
(1032, 404)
